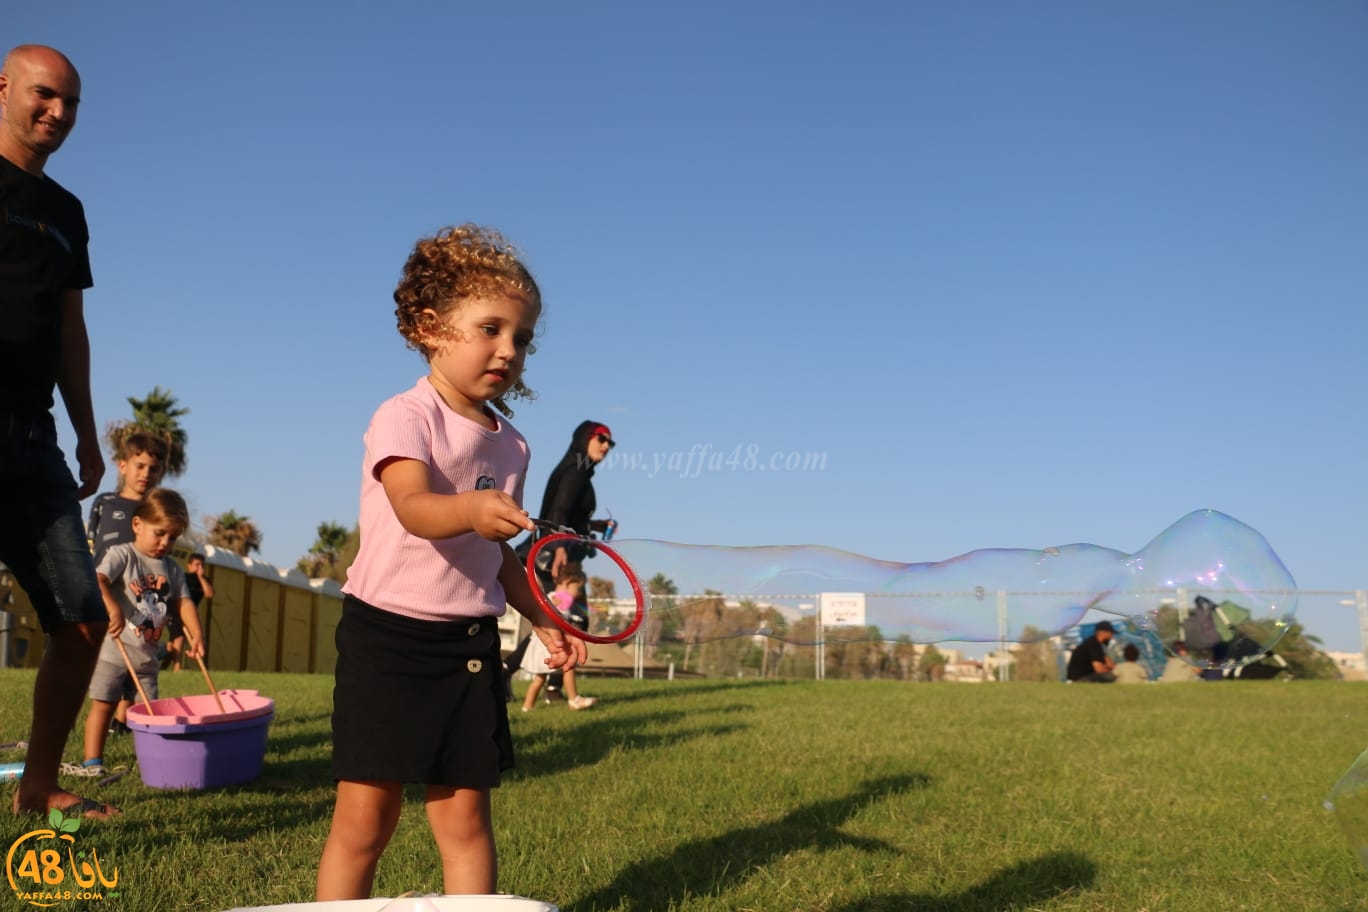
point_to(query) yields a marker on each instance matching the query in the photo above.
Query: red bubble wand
(562, 535)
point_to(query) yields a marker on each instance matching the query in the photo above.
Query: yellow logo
(36, 871)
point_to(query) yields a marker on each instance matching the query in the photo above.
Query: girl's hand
(496, 516)
(195, 650)
(565, 651)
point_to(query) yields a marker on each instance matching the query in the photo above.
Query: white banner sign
(843, 609)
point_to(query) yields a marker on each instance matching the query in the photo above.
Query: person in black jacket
(569, 499)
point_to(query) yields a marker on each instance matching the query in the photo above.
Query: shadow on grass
(552, 751)
(156, 820)
(1023, 885)
(712, 865)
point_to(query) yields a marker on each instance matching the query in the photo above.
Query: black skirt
(419, 701)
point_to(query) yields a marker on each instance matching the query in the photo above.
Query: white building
(1350, 664)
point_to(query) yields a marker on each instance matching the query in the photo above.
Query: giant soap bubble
(1208, 579)
(1349, 801)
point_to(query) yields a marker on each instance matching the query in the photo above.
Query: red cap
(602, 429)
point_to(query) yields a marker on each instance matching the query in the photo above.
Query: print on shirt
(148, 593)
(484, 483)
(46, 229)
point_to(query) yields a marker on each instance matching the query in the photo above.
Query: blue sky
(1025, 274)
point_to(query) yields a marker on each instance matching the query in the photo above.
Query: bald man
(44, 270)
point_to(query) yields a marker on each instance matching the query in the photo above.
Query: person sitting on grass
(1089, 662)
(141, 584)
(1131, 671)
(1178, 670)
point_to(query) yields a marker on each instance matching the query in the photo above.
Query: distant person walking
(569, 499)
(44, 271)
(568, 599)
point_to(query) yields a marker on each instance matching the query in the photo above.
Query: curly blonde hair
(446, 269)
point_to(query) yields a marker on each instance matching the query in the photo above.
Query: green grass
(838, 796)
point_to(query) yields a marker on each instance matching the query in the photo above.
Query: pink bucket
(188, 742)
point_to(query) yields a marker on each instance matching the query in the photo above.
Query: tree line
(159, 414)
(707, 635)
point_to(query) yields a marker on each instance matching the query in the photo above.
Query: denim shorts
(42, 539)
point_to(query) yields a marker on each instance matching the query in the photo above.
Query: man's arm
(1101, 662)
(205, 586)
(73, 379)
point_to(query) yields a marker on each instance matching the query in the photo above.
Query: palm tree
(932, 664)
(324, 559)
(700, 617)
(602, 589)
(157, 414)
(232, 532)
(905, 655)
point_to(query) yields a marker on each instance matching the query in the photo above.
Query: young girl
(568, 597)
(419, 695)
(141, 588)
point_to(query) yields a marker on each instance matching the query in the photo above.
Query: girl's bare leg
(364, 819)
(462, 824)
(530, 701)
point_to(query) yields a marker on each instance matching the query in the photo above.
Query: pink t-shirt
(419, 577)
(562, 601)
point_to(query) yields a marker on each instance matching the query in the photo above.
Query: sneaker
(582, 702)
(118, 728)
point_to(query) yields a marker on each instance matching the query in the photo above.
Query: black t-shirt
(1081, 662)
(43, 253)
(196, 588)
(110, 523)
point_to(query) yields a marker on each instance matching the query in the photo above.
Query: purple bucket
(182, 747)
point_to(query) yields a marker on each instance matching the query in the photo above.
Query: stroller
(1222, 633)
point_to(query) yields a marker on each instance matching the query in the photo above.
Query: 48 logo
(40, 875)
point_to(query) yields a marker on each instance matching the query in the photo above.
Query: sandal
(88, 809)
(84, 808)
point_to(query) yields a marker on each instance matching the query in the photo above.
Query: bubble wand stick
(208, 680)
(128, 663)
